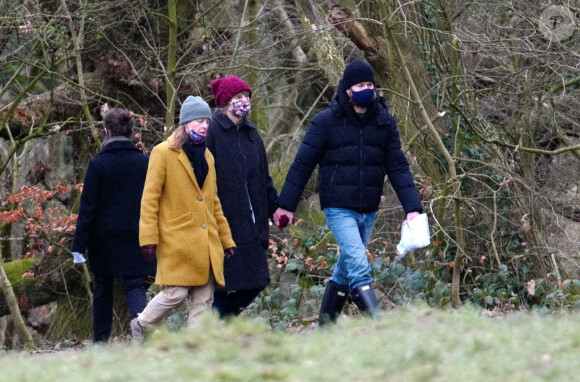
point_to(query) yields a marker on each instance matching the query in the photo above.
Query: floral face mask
(240, 108)
(196, 137)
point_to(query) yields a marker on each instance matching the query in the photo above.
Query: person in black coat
(356, 143)
(246, 192)
(107, 227)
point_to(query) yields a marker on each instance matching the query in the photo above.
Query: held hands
(282, 218)
(229, 252)
(149, 251)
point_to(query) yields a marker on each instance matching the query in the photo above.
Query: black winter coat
(354, 153)
(243, 176)
(108, 219)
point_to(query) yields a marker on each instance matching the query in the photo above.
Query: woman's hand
(229, 252)
(149, 251)
(282, 218)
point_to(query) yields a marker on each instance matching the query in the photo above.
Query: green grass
(405, 344)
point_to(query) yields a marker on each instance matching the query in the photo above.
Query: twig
(558, 278)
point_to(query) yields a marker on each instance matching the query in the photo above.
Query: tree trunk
(28, 291)
(171, 65)
(12, 303)
(328, 56)
(6, 243)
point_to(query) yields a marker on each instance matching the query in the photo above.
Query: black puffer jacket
(243, 176)
(354, 153)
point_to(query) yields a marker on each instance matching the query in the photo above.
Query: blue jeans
(352, 231)
(135, 292)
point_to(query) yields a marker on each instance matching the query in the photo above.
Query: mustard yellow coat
(185, 222)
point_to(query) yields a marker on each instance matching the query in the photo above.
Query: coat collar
(226, 123)
(121, 144)
(184, 161)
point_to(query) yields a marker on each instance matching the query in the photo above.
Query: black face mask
(364, 97)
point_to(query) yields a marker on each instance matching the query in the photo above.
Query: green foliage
(427, 280)
(176, 320)
(550, 296)
(496, 289)
(402, 284)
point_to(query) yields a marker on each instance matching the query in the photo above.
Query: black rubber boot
(365, 299)
(334, 298)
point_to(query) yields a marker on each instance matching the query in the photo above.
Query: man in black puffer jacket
(356, 143)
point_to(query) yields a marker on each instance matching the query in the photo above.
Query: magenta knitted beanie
(223, 89)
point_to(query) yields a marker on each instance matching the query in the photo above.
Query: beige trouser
(198, 299)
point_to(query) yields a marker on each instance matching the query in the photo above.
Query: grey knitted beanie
(194, 108)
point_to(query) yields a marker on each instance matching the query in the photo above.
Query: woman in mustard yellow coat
(182, 221)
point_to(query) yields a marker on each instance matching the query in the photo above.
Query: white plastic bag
(414, 234)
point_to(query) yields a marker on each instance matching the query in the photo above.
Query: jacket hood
(341, 101)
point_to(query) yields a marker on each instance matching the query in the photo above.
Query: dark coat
(354, 153)
(243, 176)
(108, 219)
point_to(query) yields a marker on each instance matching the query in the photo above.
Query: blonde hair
(179, 137)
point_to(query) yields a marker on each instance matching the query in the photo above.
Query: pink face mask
(240, 108)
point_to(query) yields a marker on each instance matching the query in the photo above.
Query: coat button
(199, 198)
(203, 226)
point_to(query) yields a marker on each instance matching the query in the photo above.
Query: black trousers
(231, 303)
(135, 289)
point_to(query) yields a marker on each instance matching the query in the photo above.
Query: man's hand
(412, 215)
(149, 251)
(282, 218)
